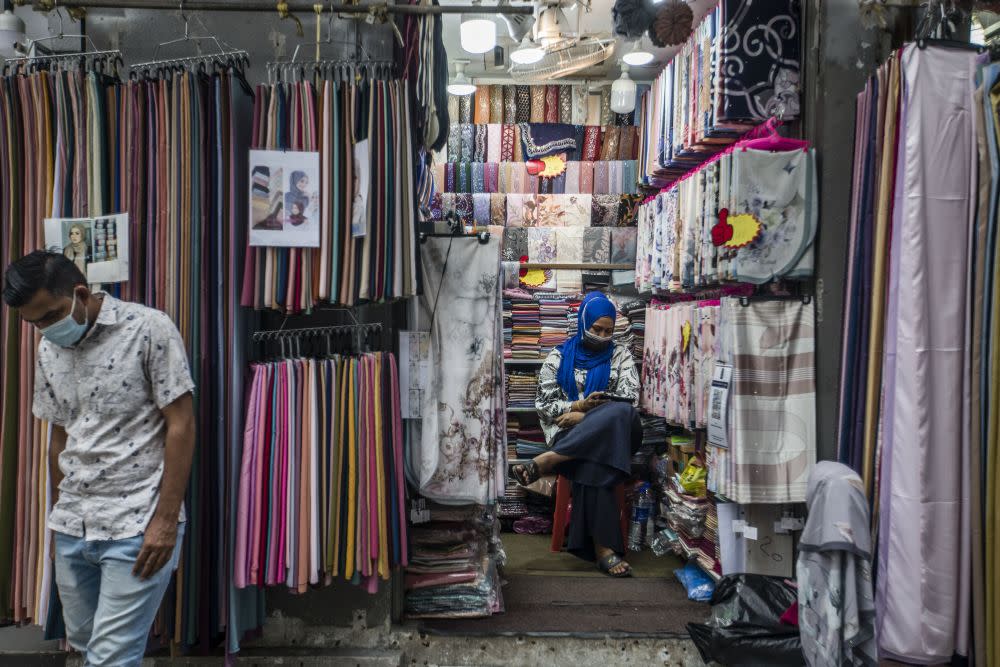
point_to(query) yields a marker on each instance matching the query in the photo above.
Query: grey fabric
(836, 605)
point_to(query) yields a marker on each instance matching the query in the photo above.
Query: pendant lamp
(639, 55)
(461, 85)
(478, 32)
(527, 52)
(623, 93)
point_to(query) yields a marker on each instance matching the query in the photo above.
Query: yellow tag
(686, 335)
(555, 165)
(746, 229)
(535, 278)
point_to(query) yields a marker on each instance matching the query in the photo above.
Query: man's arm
(56, 447)
(161, 533)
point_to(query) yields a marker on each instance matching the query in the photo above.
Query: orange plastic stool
(560, 518)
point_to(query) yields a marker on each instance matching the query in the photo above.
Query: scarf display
(457, 452)
(908, 377)
(834, 571)
(331, 117)
(171, 152)
(679, 360)
(677, 246)
(505, 177)
(576, 355)
(321, 492)
(53, 161)
(718, 85)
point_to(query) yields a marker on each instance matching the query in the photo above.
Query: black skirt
(601, 448)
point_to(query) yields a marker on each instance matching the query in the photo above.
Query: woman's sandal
(611, 561)
(526, 473)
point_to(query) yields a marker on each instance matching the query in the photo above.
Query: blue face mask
(67, 332)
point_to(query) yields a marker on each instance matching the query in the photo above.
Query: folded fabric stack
(552, 311)
(530, 441)
(526, 327)
(521, 389)
(508, 328)
(688, 516)
(654, 431)
(512, 504)
(453, 565)
(635, 311)
(513, 432)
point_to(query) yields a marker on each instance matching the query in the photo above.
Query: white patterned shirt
(551, 399)
(107, 392)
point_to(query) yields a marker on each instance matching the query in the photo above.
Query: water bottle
(640, 517)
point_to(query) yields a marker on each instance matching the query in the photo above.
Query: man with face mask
(591, 439)
(112, 379)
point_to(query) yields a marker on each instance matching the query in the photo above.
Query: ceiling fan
(555, 48)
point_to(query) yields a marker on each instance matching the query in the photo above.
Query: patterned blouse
(551, 400)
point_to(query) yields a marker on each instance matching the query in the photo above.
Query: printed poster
(98, 246)
(284, 199)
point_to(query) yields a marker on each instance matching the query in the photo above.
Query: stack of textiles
(521, 389)
(321, 492)
(525, 325)
(635, 311)
(513, 430)
(530, 441)
(688, 516)
(678, 361)
(654, 432)
(511, 505)
(508, 326)
(553, 311)
(675, 249)
(452, 571)
(612, 177)
(534, 524)
(718, 85)
(330, 118)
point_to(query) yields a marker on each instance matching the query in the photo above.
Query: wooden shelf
(523, 362)
(534, 266)
(522, 411)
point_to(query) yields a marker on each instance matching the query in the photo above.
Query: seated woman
(591, 439)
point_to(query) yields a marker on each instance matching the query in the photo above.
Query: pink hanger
(774, 141)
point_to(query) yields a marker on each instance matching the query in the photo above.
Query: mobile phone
(613, 397)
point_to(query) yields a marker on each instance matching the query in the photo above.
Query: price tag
(792, 523)
(739, 526)
(750, 532)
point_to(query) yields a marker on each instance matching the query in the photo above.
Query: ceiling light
(623, 93)
(11, 32)
(527, 52)
(478, 32)
(461, 85)
(638, 56)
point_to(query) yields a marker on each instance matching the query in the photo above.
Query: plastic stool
(560, 517)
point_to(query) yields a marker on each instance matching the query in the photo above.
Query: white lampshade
(527, 52)
(623, 93)
(11, 32)
(461, 85)
(638, 55)
(478, 32)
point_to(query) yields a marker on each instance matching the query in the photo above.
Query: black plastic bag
(744, 629)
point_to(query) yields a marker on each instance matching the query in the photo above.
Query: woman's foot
(526, 473)
(611, 564)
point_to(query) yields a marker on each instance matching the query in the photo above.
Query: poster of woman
(77, 243)
(98, 246)
(284, 199)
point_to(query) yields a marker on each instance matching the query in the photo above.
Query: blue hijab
(575, 355)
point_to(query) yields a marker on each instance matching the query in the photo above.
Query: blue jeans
(108, 611)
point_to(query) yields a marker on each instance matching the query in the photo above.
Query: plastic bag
(693, 478)
(698, 584)
(744, 628)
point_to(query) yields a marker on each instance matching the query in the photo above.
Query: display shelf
(523, 362)
(522, 411)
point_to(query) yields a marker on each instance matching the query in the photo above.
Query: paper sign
(98, 246)
(284, 199)
(719, 406)
(750, 532)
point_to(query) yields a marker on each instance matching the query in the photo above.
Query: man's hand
(157, 547)
(595, 399)
(569, 419)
